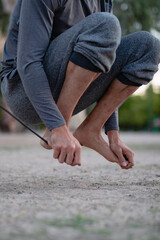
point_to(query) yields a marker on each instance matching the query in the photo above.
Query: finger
(56, 153)
(62, 156)
(127, 167)
(122, 161)
(70, 157)
(130, 157)
(77, 157)
(74, 163)
(130, 165)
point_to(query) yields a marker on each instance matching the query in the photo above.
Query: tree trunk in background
(7, 123)
(8, 5)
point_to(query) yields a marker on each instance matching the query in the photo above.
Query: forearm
(35, 28)
(38, 91)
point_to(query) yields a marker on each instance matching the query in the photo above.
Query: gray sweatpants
(98, 38)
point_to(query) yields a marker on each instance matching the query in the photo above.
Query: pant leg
(137, 59)
(96, 38)
(142, 63)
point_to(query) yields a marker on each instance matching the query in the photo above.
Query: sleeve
(113, 122)
(35, 28)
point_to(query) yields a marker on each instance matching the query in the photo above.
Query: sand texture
(41, 199)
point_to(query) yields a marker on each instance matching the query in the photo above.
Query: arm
(35, 28)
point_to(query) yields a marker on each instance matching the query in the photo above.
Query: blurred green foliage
(137, 15)
(138, 112)
(4, 19)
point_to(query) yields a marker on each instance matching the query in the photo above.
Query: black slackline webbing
(23, 124)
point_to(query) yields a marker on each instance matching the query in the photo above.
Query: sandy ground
(41, 199)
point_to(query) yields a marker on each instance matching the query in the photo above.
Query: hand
(66, 147)
(123, 153)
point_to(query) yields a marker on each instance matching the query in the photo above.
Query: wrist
(59, 129)
(113, 136)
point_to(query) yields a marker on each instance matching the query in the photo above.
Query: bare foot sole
(46, 136)
(94, 141)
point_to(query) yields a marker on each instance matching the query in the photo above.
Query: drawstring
(23, 124)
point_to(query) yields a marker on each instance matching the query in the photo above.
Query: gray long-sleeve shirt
(33, 25)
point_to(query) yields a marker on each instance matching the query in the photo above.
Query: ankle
(88, 128)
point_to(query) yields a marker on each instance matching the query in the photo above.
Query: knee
(107, 19)
(108, 23)
(142, 51)
(150, 45)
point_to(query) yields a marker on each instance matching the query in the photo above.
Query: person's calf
(76, 82)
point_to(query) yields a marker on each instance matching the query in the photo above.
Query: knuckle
(65, 147)
(57, 147)
(72, 147)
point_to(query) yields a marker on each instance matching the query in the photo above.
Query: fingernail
(124, 164)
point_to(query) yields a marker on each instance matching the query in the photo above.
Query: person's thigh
(97, 37)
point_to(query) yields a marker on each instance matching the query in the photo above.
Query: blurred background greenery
(137, 15)
(141, 111)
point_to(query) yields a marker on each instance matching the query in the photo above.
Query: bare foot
(46, 136)
(89, 138)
